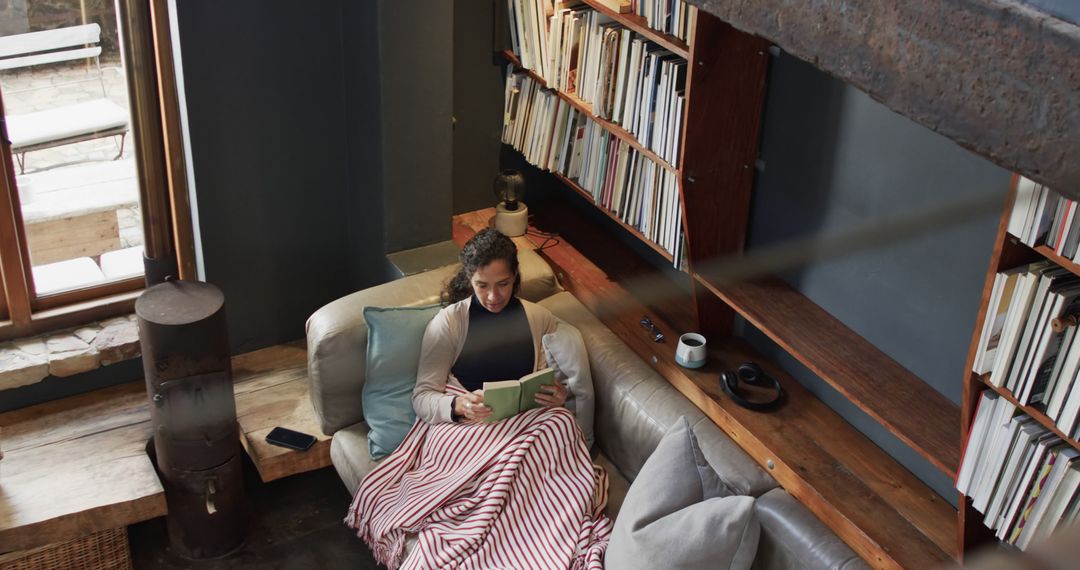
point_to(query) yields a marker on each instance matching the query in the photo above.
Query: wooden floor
(79, 465)
(874, 504)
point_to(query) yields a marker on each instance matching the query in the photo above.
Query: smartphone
(291, 439)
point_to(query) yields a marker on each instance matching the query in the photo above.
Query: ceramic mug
(691, 351)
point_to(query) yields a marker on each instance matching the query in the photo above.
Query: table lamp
(511, 214)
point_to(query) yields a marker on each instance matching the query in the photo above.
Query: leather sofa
(634, 408)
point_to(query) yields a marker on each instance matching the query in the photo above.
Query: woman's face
(493, 285)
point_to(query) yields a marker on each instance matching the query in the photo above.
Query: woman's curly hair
(486, 246)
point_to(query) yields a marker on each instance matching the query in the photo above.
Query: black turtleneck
(498, 346)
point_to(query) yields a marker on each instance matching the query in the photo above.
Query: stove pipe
(185, 351)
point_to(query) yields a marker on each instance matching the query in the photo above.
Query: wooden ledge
(76, 466)
(865, 375)
(79, 465)
(272, 390)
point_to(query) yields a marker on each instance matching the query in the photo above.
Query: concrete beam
(997, 76)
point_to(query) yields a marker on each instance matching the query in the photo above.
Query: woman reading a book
(485, 333)
(520, 492)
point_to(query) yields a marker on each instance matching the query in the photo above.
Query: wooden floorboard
(874, 504)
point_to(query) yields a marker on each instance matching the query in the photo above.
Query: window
(91, 149)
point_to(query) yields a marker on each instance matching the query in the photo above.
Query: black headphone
(751, 373)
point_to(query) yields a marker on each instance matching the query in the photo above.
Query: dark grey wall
(836, 160)
(266, 96)
(417, 110)
(478, 101)
(364, 157)
(305, 120)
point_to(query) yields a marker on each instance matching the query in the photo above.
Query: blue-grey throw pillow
(678, 514)
(393, 355)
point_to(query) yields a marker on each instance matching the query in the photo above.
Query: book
(984, 408)
(1043, 447)
(1065, 376)
(507, 398)
(1019, 457)
(1059, 491)
(996, 462)
(1039, 483)
(997, 309)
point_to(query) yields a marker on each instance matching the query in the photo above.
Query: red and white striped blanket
(521, 493)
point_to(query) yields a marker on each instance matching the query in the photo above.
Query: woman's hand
(471, 406)
(551, 395)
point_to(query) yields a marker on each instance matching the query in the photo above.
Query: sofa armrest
(792, 537)
(337, 343)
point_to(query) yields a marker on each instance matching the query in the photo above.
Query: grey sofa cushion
(349, 454)
(565, 351)
(337, 335)
(792, 537)
(678, 499)
(635, 406)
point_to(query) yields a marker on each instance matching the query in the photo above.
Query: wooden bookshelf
(1037, 414)
(1064, 262)
(873, 503)
(861, 372)
(1008, 252)
(621, 133)
(637, 23)
(633, 231)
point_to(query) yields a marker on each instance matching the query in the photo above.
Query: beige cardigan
(443, 341)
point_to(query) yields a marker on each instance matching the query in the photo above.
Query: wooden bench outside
(66, 124)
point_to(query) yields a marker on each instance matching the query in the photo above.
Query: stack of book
(1029, 343)
(553, 135)
(1021, 476)
(1042, 217)
(624, 78)
(672, 17)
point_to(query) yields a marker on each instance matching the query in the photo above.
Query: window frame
(161, 172)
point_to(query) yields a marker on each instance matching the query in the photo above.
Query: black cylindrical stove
(185, 350)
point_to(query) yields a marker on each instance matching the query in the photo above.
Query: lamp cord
(550, 240)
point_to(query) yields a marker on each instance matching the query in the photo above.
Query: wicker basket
(105, 550)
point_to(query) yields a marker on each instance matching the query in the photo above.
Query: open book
(507, 398)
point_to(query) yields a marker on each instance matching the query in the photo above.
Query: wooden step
(865, 375)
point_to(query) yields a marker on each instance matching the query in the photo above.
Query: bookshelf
(1009, 252)
(875, 505)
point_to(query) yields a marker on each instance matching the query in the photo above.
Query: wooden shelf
(621, 133)
(585, 194)
(1064, 262)
(637, 23)
(1038, 415)
(271, 388)
(900, 401)
(874, 504)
